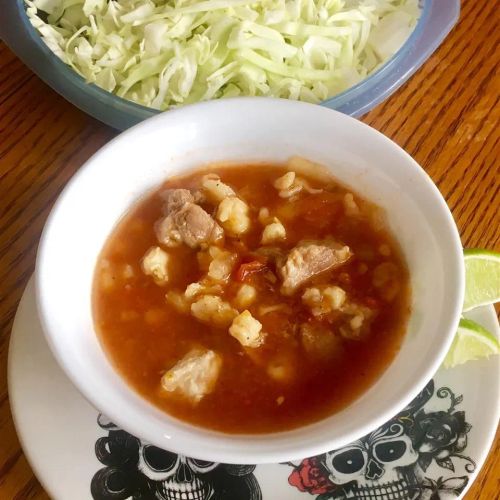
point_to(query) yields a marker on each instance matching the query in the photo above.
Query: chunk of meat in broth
(175, 199)
(191, 225)
(194, 376)
(167, 232)
(307, 260)
(196, 226)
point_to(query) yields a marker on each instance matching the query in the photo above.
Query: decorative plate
(432, 450)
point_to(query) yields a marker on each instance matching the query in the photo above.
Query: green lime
(472, 341)
(482, 278)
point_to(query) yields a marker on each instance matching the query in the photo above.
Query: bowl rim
(234, 453)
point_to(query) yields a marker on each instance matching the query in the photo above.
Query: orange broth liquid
(144, 336)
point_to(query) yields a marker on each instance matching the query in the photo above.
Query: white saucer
(442, 440)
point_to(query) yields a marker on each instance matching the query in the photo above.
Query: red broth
(313, 360)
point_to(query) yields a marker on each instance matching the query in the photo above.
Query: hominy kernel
(285, 181)
(350, 206)
(178, 301)
(245, 296)
(155, 264)
(356, 322)
(362, 268)
(232, 214)
(246, 330)
(155, 317)
(107, 280)
(128, 272)
(384, 250)
(280, 370)
(129, 315)
(273, 232)
(263, 216)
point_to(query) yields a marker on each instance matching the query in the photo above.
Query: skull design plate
(431, 450)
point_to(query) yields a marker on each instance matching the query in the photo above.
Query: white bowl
(249, 129)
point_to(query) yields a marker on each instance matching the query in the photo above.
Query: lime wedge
(472, 341)
(482, 278)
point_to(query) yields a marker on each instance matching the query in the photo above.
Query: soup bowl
(248, 130)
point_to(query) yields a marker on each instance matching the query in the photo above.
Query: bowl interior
(248, 130)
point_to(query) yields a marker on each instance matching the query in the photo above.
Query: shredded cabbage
(165, 53)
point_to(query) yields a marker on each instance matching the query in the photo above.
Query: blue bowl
(437, 19)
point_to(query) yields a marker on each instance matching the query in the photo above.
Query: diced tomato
(248, 268)
(371, 302)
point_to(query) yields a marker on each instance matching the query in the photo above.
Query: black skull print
(139, 471)
(414, 456)
(392, 462)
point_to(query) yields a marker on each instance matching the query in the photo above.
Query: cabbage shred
(164, 54)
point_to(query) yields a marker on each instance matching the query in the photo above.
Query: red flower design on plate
(310, 476)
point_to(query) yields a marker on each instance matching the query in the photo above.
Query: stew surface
(260, 300)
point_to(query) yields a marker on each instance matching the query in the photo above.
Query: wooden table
(445, 117)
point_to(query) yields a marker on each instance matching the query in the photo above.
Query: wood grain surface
(446, 117)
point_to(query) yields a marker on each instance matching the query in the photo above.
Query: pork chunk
(175, 199)
(191, 225)
(309, 259)
(194, 376)
(167, 232)
(197, 226)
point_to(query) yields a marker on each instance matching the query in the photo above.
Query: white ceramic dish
(247, 130)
